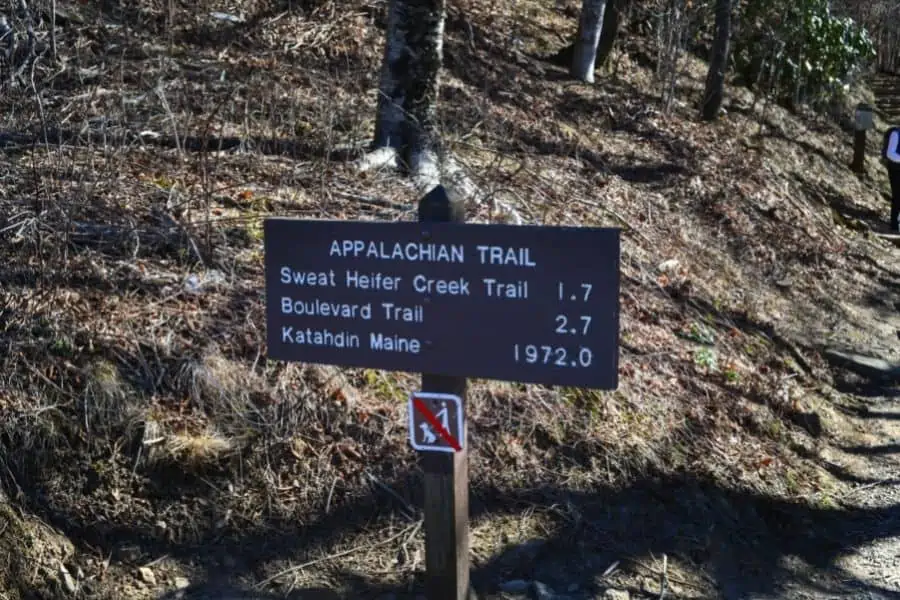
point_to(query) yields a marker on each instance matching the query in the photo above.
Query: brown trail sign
(449, 300)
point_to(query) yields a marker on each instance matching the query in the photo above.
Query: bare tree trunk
(405, 129)
(407, 94)
(612, 18)
(590, 25)
(53, 48)
(718, 62)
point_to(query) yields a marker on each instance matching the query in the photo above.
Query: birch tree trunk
(406, 134)
(612, 18)
(590, 25)
(407, 94)
(714, 93)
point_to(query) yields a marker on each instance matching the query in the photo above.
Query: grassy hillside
(146, 442)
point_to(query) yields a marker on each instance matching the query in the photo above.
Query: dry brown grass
(734, 273)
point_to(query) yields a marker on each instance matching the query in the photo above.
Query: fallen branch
(412, 528)
(892, 238)
(868, 486)
(616, 216)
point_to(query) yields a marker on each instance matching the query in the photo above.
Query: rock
(515, 586)
(868, 366)
(612, 594)
(146, 575)
(67, 581)
(182, 583)
(212, 279)
(543, 592)
(669, 266)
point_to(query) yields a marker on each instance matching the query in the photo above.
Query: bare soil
(149, 448)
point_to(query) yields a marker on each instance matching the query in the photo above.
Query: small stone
(68, 582)
(669, 266)
(612, 594)
(543, 592)
(147, 575)
(182, 583)
(515, 586)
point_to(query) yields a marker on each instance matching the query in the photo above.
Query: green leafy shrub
(800, 52)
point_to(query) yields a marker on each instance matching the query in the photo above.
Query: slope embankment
(147, 444)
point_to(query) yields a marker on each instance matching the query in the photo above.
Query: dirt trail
(868, 454)
(879, 562)
(872, 457)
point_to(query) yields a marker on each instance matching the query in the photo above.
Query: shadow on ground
(741, 539)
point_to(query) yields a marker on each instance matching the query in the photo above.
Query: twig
(161, 94)
(55, 385)
(294, 569)
(664, 578)
(178, 225)
(867, 486)
(677, 580)
(53, 30)
(616, 215)
(610, 570)
(330, 493)
(408, 512)
(30, 52)
(373, 201)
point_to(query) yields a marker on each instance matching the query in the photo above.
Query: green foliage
(701, 334)
(800, 51)
(706, 358)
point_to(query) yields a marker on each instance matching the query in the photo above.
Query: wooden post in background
(446, 474)
(863, 120)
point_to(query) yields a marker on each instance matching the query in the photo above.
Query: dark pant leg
(894, 175)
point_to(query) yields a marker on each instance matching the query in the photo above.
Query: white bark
(407, 92)
(405, 130)
(385, 156)
(391, 97)
(590, 26)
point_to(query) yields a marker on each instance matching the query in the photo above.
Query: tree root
(378, 159)
(428, 171)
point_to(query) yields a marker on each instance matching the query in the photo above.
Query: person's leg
(894, 175)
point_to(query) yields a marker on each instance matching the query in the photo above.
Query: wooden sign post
(449, 300)
(446, 475)
(862, 122)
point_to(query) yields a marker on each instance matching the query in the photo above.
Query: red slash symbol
(432, 420)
